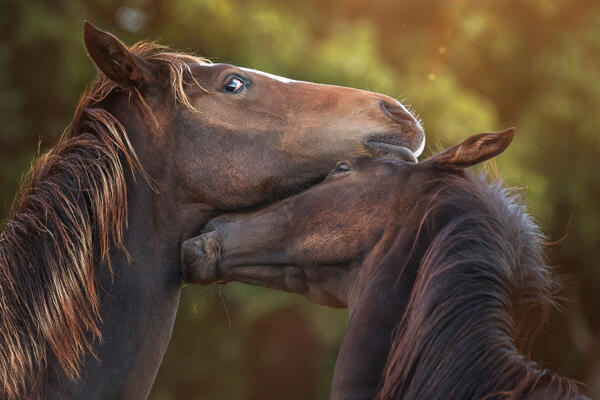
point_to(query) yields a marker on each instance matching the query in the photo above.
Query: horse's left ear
(114, 59)
(476, 149)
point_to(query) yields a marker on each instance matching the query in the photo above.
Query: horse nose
(397, 113)
(409, 127)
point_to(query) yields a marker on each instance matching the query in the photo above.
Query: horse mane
(482, 292)
(70, 209)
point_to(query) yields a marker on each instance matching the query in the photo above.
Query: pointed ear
(476, 149)
(113, 58)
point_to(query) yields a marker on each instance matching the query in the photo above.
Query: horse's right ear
(476, 149)
(114, 59)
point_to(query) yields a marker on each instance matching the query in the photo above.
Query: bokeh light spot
(131, 19)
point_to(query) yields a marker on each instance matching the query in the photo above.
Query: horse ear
(476, 149)
(114, 59)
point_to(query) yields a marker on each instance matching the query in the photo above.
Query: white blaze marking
(281, 79)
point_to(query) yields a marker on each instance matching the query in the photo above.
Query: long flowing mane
(70, 210)
(482, 292)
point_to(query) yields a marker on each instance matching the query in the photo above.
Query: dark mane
(68, 213)
(481, 286)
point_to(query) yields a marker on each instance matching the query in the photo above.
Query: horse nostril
(209, 227)
(397, 113)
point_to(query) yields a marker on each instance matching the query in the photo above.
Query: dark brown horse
(160, 143)
(443, 274)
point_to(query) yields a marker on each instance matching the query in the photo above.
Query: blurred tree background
(464, 66)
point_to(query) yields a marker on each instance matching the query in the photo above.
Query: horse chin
(283, 277)
(200, 258)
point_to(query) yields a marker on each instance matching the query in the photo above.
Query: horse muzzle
(200, 258)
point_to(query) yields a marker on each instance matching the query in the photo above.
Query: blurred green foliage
(464, 67)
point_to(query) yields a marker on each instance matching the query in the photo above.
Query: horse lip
(390, 146)
(393, 138)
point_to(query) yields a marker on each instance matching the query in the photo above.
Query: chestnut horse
(442, 273)
(160, 143)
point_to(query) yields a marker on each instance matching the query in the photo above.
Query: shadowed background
(463, 66)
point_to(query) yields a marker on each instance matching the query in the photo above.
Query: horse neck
(376, 305)
(388, 319)
(139, 293)
(454, 341)
(434, 318)
(454, 338)
(138, 303)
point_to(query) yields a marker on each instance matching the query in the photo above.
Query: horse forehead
(278, 78)
(250, 71)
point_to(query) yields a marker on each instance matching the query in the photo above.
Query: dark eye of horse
(341, 167)
(234, 85)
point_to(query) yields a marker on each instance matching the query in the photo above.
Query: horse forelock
(71, 206)
(482, 291)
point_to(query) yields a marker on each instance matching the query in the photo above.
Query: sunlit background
(464, 66)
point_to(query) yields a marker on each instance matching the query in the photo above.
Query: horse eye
(234, 85)
(341, 167)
